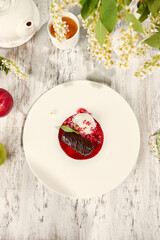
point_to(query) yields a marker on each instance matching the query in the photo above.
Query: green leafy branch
(7, 64)
(148, 66)
(108, 16)
(154, 142)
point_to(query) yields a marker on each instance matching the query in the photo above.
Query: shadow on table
(101, 75)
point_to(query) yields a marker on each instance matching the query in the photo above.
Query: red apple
(6, 102)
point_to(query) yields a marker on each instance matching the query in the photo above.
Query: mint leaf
(136, 23)
(88, 6)
(108, 14)
(100, 32)
(68, 129)
(154, 6)
(154, 40)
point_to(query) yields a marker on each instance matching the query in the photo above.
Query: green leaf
(68, 129)
(82, 2)
(88, 6)
(127, 2)
(100, 32)
(136, 23)
(144, 15)
(6, 69)
(119, 8)
(89, 22)
(158, 141)
(3, 67)
(154, 6)
(154, 40)
(141, 7)
(108, 14)
(3, 154)
(1, 58)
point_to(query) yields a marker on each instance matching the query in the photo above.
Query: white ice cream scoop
(84, 123)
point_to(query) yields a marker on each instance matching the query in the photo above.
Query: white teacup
(68, 43)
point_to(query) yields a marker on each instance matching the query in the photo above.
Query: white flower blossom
(14, 68)
(154, 142)
(148, 67)
(103, 53)
(130, 43)
(56, 9)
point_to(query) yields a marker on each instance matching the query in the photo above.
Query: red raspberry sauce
(96, 138)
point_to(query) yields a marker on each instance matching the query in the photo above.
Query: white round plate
(81, 178)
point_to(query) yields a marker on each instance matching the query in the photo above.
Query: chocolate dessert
(78, 143)
(81, 136)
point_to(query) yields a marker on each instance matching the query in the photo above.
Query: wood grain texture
(28, 210)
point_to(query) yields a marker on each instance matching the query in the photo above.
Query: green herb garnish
(68, 129)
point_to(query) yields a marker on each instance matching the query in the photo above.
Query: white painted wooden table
(28, 210)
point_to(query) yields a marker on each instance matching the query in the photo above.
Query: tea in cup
(72, 35)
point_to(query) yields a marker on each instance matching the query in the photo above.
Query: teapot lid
(6, 6)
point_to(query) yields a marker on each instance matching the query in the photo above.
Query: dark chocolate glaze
(78, 143)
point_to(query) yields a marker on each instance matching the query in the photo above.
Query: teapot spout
(25, 28)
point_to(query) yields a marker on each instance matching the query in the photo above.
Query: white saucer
(20, 41)
(81, 178)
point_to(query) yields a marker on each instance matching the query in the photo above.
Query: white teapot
(19, 20)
